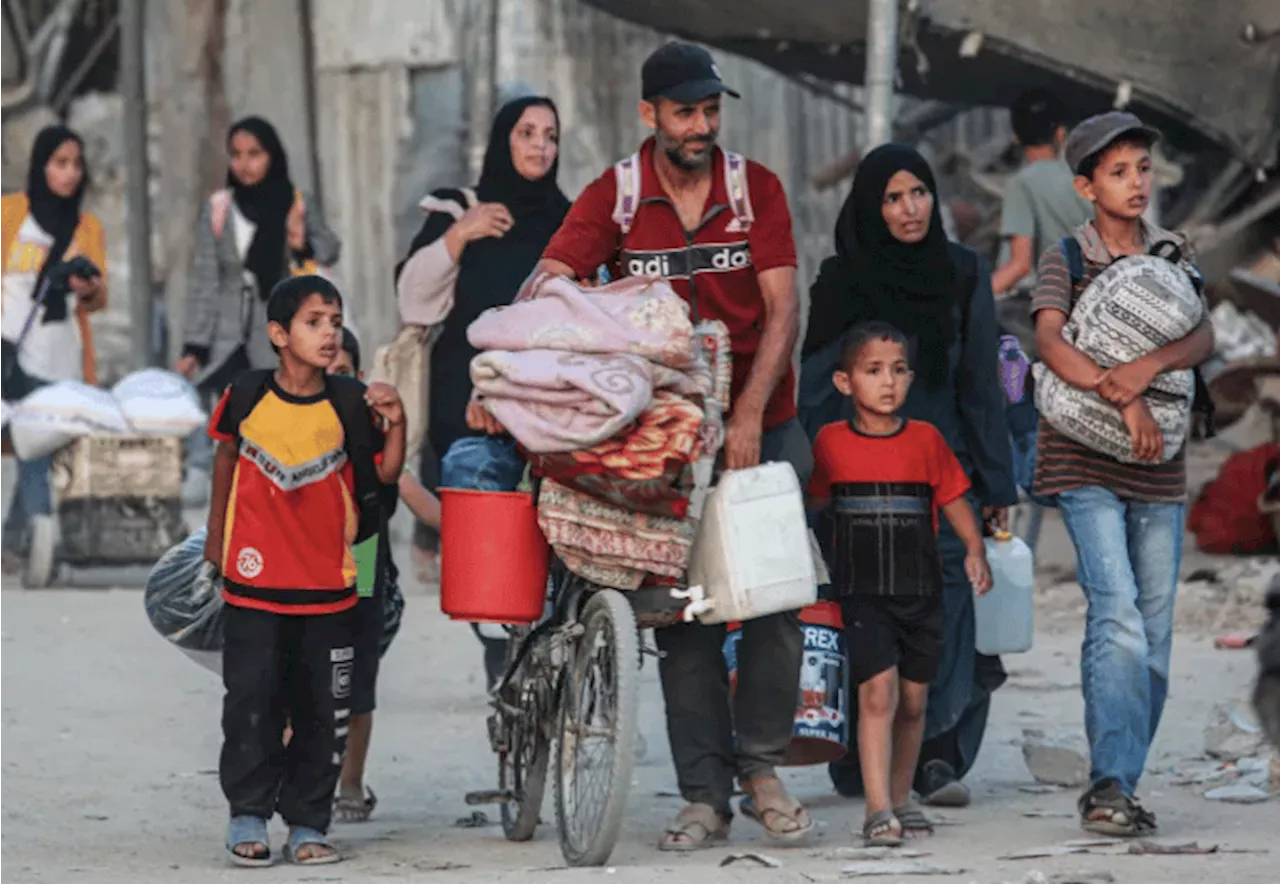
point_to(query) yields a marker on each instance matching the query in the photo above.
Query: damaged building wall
(402, 96)
(397, 117)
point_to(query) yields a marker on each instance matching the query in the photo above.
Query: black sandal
(914, 821)
(1106, 810)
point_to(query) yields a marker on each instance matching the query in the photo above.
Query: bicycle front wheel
(598, 710)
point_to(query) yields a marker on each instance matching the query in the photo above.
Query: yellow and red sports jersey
(292, 513)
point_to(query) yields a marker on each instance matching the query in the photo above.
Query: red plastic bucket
(821, 730)
(493, 557)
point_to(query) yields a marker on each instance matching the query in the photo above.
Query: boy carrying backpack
(301, 460)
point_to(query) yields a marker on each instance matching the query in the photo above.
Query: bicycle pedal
(489, 796)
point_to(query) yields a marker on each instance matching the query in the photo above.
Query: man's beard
(672, 149)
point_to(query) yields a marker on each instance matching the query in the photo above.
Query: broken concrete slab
(1238, 793)
(1059, 760)
(1233, 733)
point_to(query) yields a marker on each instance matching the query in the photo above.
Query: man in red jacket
(717, 227)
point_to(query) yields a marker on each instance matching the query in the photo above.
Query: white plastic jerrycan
(752, 553)
(1005, 616)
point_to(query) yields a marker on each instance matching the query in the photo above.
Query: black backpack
(1202, 404)
(347, 397)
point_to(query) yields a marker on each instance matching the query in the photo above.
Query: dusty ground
(110, 739)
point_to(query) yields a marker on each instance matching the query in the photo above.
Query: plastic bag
(183, 598)
(159, 403)
(55, 416)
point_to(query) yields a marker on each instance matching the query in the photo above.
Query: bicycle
(571, 688)
(571, 683)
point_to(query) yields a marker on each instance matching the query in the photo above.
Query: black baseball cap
(681, 72)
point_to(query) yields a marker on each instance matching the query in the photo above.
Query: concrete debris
(1237, 793)
(1152, 848)
(1044, 852)
(862, 854)
(1040, 789)
(1070, 848)
(1038, 877)
(905, 867)
(1060, 760)
(758, 859)
(1047, 815)
(1233, 733)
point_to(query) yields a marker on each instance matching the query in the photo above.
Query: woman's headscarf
(491, 270)
(537, 207)
(266, 204)
(874, 275)
(58, 216)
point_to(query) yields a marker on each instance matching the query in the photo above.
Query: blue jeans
(482, 463)
(34, 496)
(1127, 558)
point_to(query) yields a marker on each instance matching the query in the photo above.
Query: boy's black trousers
(279, 669)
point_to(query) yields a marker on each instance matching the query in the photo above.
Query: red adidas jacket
(714, 269)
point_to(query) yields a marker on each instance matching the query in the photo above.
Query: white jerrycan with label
(1005, 616)
(752, 554)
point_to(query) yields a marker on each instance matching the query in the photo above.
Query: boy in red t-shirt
(881, 480)
(283, 521)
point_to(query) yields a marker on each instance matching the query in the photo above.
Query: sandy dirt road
(110, 740)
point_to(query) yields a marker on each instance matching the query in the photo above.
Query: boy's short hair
(352, 345)
(288, 294)
(1036, 116)
(857, 338)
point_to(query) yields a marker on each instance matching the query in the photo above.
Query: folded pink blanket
(553, 401)
(636, 317)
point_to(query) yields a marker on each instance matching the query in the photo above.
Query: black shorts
(364, 675)
(377, 622)
(882, 632)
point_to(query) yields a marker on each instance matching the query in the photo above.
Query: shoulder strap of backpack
(735, 184)
(245, 392)
(347, 398)
(219, 210)
(469, 194)
(1075, 257)
(627, 175)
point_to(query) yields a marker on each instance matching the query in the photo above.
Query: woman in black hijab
(54, 257)
(484, 243)
(492, 247)
(251, 234)
(893, 262)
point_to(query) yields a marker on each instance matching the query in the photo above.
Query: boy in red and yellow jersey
(282, 525)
